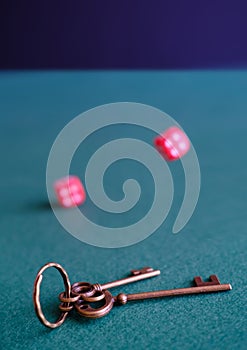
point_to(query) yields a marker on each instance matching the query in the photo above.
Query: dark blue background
(123, 34)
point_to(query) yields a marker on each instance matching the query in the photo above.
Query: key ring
(36, 295)
(81, 294)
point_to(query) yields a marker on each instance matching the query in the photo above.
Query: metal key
(95, 292)
(86, 310)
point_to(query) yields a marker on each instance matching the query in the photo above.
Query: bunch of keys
(81, 294)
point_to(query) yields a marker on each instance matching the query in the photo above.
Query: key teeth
(213, 280)
(141, 271)
(197, 280)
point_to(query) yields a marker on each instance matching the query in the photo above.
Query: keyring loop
(36, 295)
(63, 299)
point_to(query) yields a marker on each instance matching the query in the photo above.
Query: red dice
(173, 143)
(69, 191)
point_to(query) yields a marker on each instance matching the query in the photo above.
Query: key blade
(178, 292)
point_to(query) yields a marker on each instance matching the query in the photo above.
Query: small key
(94, 292)
(200, 287)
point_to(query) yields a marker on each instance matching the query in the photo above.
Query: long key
(200, 287)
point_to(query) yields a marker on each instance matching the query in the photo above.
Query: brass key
(86, 310)
(95, 292)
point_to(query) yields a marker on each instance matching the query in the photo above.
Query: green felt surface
(212, 108)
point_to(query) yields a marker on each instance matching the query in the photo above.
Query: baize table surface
(211, 106)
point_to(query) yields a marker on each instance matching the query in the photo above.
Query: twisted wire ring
(36, 295)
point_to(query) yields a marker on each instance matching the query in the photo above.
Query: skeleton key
(200, 287)
(95, 292)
